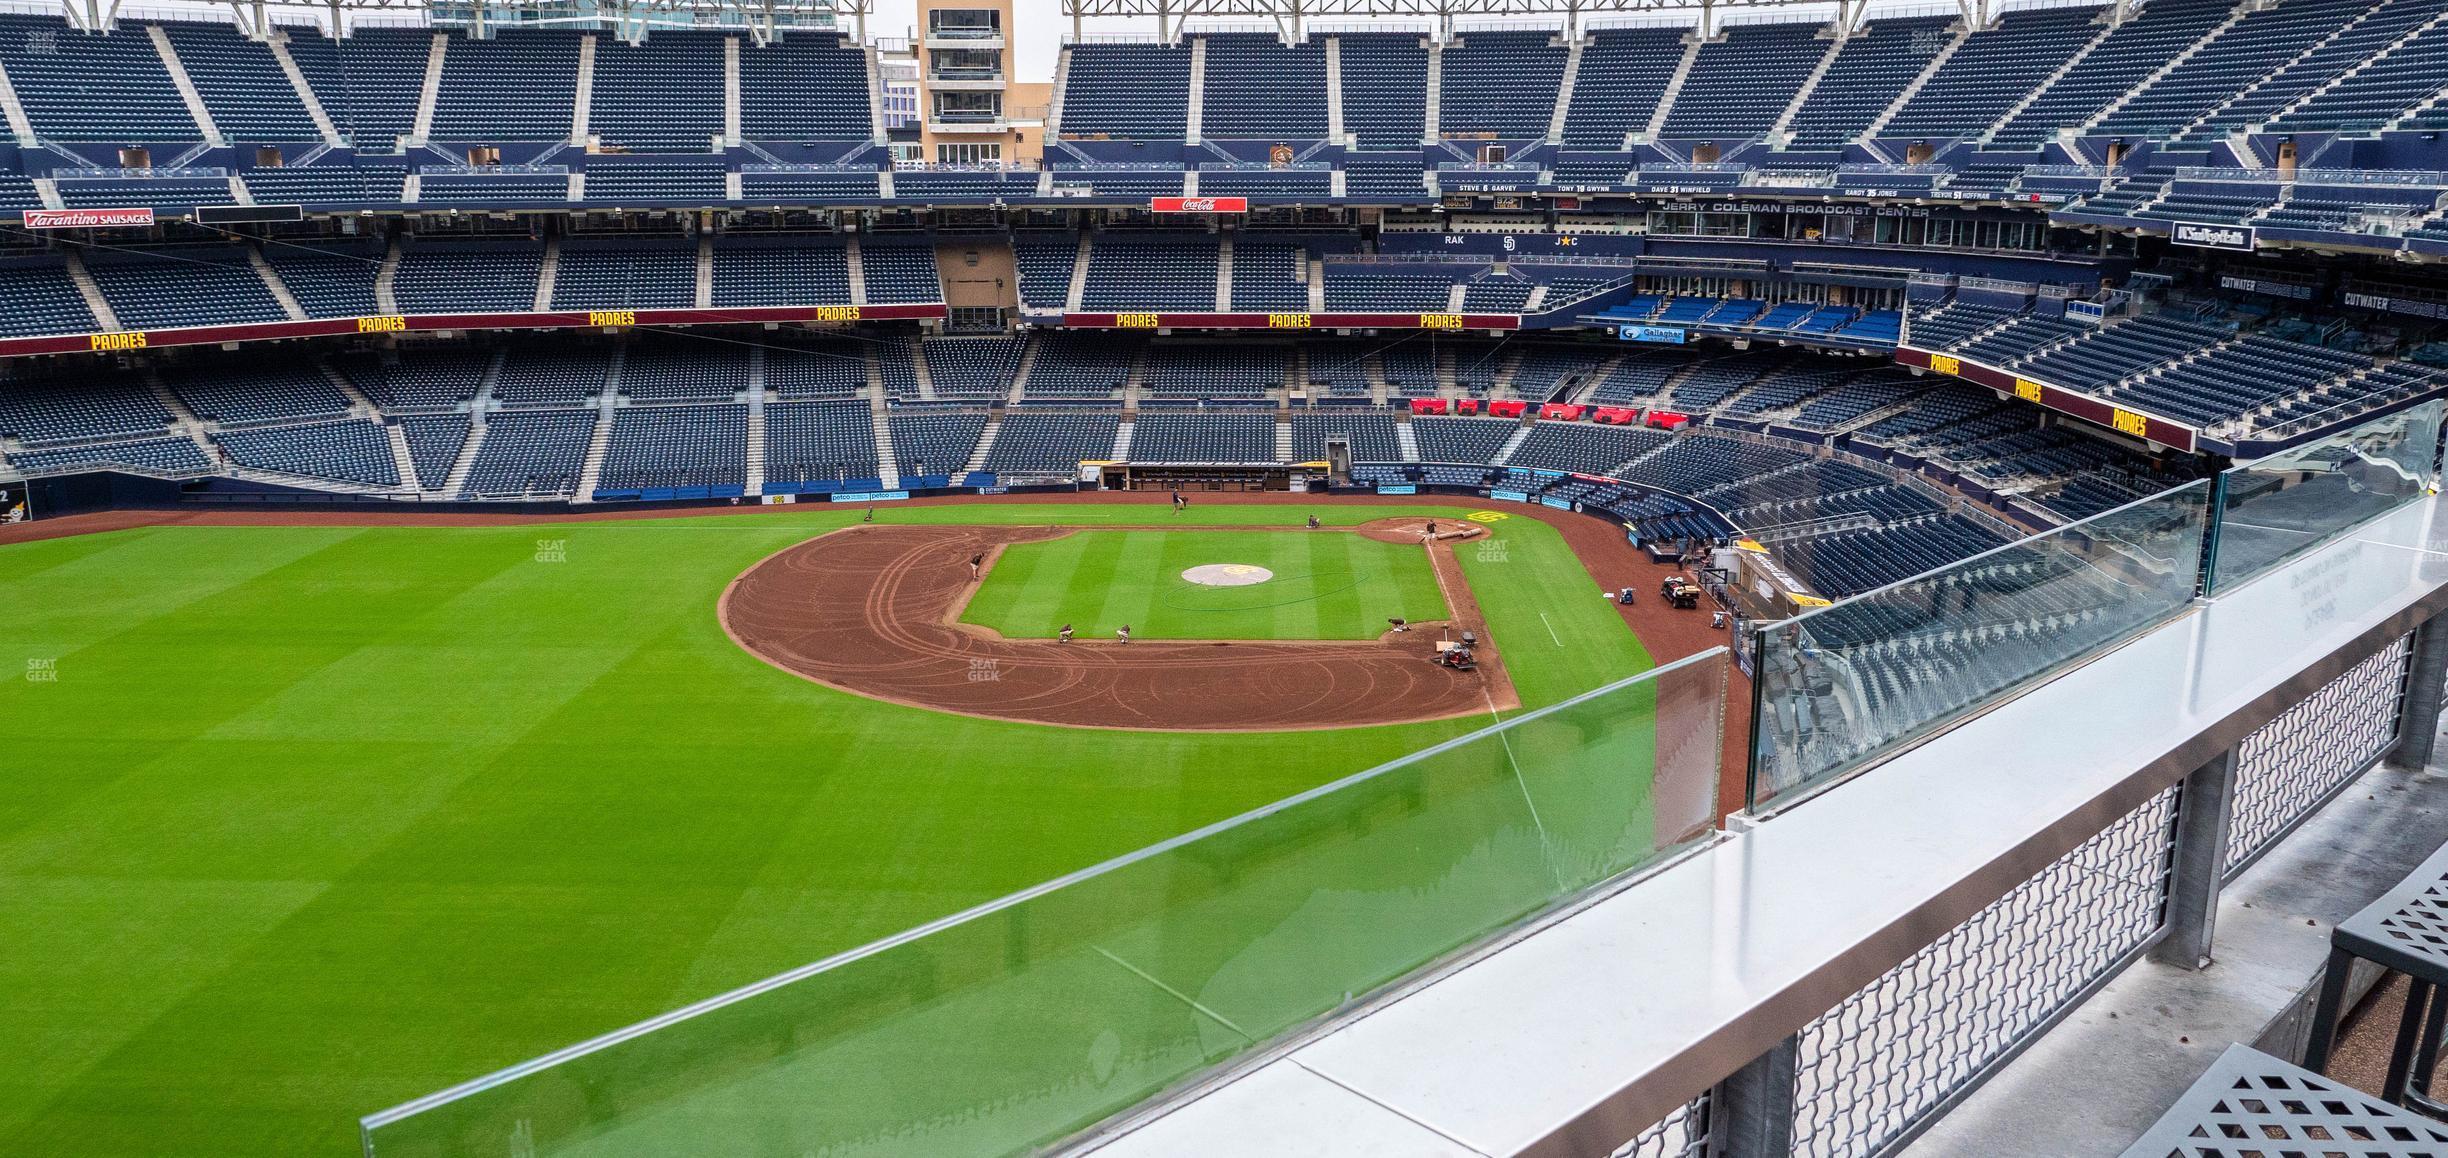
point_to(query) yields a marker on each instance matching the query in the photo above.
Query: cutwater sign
(2200, 236)
(1667, 334)
(869, 496)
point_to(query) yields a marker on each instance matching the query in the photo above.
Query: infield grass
(1327, 584)
(300, 823)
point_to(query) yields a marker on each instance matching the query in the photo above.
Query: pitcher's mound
(1227, 575)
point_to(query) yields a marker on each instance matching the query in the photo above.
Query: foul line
(1551, 631)
(1176, 994)
(1523, 783)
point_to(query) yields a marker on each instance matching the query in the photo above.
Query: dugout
(1203, 476)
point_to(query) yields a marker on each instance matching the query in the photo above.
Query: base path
(871, 610)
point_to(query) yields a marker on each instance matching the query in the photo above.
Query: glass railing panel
(1841, 686)
(1025, 1021)
(2294, 501)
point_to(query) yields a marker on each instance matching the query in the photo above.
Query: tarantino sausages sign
(86, 218)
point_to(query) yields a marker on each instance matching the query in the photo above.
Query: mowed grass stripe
(1326, 585)
(360, 814)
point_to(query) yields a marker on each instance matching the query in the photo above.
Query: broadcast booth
(1207, 476)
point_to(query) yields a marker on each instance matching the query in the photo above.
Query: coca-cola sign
(85, 218)
(1198, 204)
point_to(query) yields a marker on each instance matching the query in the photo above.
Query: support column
(1751, 1113)
(2418, 718)
(2203, 806)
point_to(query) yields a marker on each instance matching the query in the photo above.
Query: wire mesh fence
(2289, 765)
(1682, 1134)
(1871, 1069)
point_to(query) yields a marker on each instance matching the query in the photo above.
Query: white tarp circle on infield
(1227, 575)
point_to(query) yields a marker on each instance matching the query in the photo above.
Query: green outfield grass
(304, 822)
(1327, 585)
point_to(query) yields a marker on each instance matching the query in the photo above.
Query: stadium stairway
(1122, 438)
(1674, 86)
(455, 483)
(2046, 83)
(888, 469)
(1781, 130)
(1079, 271)
(184, 420)
(985, 445)
(429, 94)
(278, 43)
(1283, 438)
(402, 459)
(919, 374)
(1564, 87)
(2345, 76)
(185, 84)
(1194, 117)
(272, 281)
(1404, 438)
(1224, 272)
(592, 469)
(584, 96)
(1020, 373)
(1512, 442)
(2173, 63)
(1938, 60)
(91, 291)
(548, 273)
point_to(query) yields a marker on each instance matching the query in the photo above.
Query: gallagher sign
(85, 218)
(1198, 204)
(2199, 236)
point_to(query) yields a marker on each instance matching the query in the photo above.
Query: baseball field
(304, 821)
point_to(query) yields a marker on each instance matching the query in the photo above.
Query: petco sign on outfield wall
(1198, 204)
(85, 218)
(2199, 236)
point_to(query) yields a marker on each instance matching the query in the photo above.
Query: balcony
(953, 37)
(967, 80)
(953, 123)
